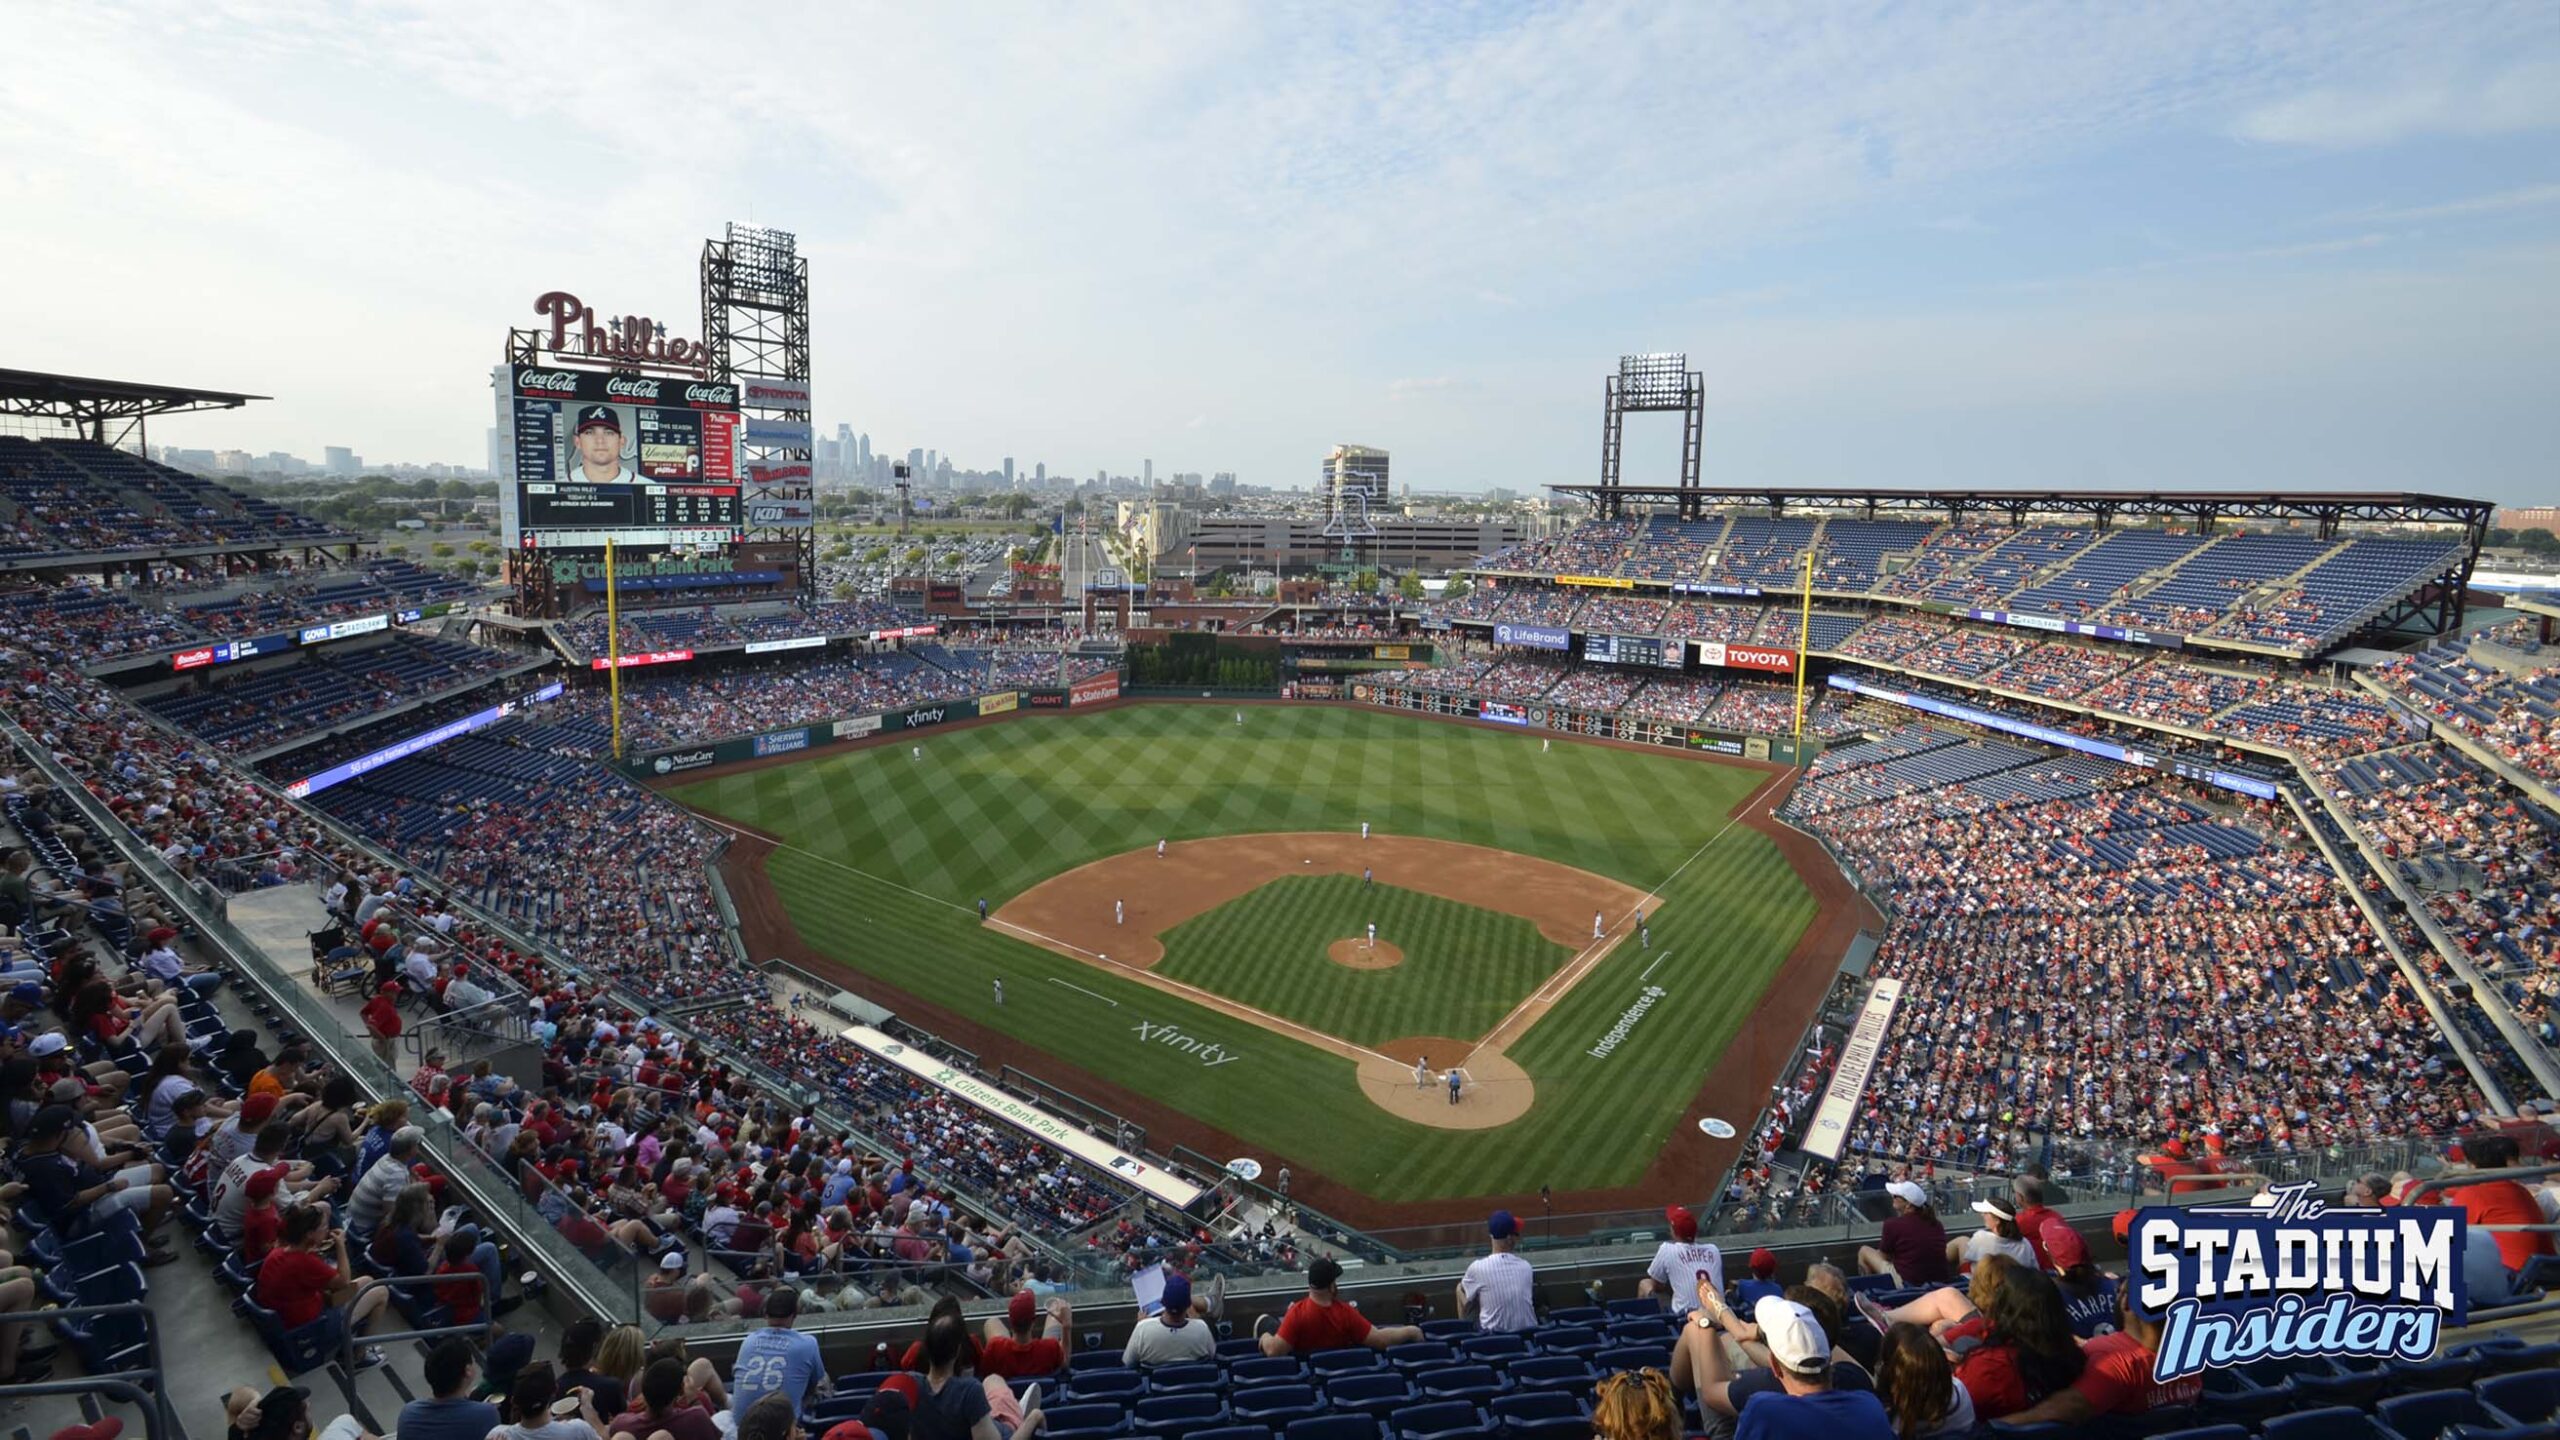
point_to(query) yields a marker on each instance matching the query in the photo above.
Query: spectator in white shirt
(1681, 1262)
(1500, 1287)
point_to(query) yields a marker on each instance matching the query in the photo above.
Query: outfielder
(1364, 829)
(999, 990)
(1159, 849)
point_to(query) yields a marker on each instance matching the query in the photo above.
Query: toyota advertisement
(1730, 656)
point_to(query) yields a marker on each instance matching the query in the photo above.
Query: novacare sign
(1109, 1159)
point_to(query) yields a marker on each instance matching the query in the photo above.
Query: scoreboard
(648, 462)
(1642, 650)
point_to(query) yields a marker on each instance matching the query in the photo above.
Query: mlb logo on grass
(2285, 1276)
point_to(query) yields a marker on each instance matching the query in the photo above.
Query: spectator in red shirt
(305, 1276)
(1322, 1320)
(2501, 1202)
(2031, 1214)
(2117, 1379)
(382, 1021)
(260, 1221)
(1013, 1352)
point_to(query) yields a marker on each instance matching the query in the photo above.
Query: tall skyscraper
(497, 461)
(1150, 473)
(1040, 473)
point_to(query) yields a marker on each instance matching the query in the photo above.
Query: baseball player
(916, 754)
(1373, 934)
(1545, 745)
(1598, 927)
(1159, 849)
(1364, 829)
(1644, 933)
(1118, 915)
(1367, 876)
(1422, 1073)
(1239, 717)
(1455, 1080)
(999, 990)
(982, 909)
(599, 445)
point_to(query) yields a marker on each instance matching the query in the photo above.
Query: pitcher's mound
(1361, 955)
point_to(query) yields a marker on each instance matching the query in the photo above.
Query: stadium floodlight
(1659, 381)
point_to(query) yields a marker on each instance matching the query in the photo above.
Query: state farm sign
(1746, 657)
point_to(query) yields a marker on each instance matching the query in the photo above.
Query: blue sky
(2158, 246)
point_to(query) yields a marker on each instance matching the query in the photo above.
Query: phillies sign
(1746, 657)
(623, 339)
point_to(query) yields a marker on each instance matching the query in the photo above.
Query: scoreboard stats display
(1646, 650)
(642, 460)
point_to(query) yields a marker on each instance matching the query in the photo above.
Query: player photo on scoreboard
(600, 446)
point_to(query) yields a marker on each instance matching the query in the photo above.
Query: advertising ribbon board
(1119, 1164)
(1768, 658)
(1829, 1131)
(1539, 637)
(639, 657)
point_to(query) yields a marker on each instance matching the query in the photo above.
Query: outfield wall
(822, 734)
(1599, 725)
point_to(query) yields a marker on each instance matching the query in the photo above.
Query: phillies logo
(631, 339)
(633, 386)
(564, 381)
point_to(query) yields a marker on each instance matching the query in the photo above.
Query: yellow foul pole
(613, 644)
(1804, 642)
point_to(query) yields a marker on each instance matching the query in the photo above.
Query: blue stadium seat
(1177, 1415)
(1576, 1340)
(1275, 1405)
(1235, 1432)
(1435, 1421)
(2450, 1371)
(1334, 1427)
(1566, 1374)
(1344, 1362)
(2429, 1411)
(1376, 1394)
(1643, 1305)
(1449, 1330)
(2208, 1432)
(2339, 1386)
(1631, 1357)
(1551, 1427)
(1474, 1384)
(1117, 1386)
(2231, 1396)
(1494, 1350)
(2542, 1431)
(1185, 1380)
(1083, 1421)
(1265, 1370)
(1416, 1356)
(1241, 1347)
(2335, 1422)
(1577, 1315)
(2529, 1396)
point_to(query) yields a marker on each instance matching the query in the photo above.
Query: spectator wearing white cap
(1682, 1263)
(1803, 1401)
(1913, 1247)
(1998, 1236)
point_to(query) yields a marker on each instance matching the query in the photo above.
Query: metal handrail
(145, 1388)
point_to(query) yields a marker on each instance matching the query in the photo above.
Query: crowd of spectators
(2516, 716)
(706, 627)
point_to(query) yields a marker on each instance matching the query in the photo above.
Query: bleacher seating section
(321, 689)
(77, 497)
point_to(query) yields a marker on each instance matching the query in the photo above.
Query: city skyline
(2173, 247)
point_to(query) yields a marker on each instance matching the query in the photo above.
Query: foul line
(1648, 970)
(1562, 982)
(1105, 999)
(1206, 999)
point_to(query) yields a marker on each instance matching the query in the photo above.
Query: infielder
(1118, 915)
(1598, 928)
(1422, 1073)
(1159, 849)
(1364, 829)
(1373, 934)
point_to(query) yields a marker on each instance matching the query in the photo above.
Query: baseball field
(1228, 988)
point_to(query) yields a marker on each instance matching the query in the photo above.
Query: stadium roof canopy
(2325, 508)
(106, 411)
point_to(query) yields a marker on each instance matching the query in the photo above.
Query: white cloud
(2523, 197)
(2510, 99)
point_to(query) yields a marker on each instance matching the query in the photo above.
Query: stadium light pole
(1804, 642)
(613, 646)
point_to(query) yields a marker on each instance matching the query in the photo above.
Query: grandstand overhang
(2206, 509)
(111, 412)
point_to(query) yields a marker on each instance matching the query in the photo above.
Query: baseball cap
(1993, 1209)
(1025, 1307)
(257, 1109)
(107, 1428)
(889, 1412)
(263, 1183)
(1794, 1337)
(1323, 1273)
(600, 415)
(1684, 1226)
(1908, 1191)
(27, 992)
(2063, 1245)
(1501, 1226)
(48, 1043)
(847, 1430)
(48, 1122)
(1177, 1297)
(1764, 1262)
(674, 1261)
(2124, 1227)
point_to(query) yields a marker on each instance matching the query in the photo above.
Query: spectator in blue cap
(1500, 1287)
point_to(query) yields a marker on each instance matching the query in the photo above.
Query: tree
(466, 568)
(395, 548)
(441, 550)
(483, 548)
(1366, 582)
(1457, 586)
(875, 555)
(1409, 586)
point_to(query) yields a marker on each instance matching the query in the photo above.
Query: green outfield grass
(885, 857)
(1464, 968)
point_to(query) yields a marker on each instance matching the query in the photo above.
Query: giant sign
(1747, 657)
(642, 460)
(1541, 637)
(1829, 1131)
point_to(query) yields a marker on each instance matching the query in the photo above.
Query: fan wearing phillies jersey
(1681, 1262)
